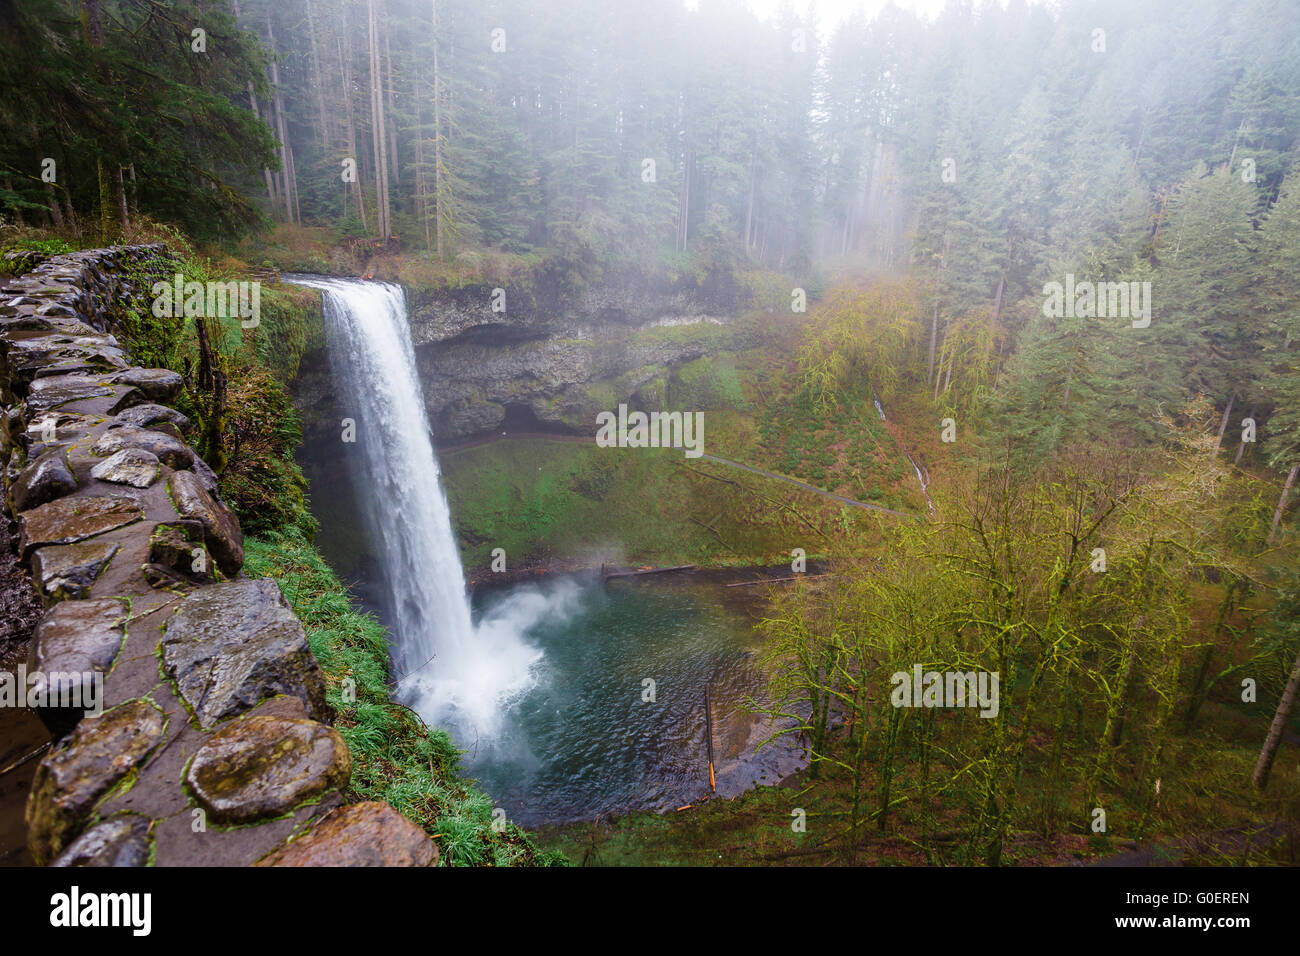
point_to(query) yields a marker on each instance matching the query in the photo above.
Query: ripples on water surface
(582, 742)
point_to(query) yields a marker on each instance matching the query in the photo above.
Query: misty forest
(685, 432)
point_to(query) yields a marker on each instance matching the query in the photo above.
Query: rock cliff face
(549, 363)
(214, 745)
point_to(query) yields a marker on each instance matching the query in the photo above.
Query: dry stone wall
(214, 745)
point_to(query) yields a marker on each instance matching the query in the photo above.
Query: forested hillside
(1114, 141)
(1043, 257)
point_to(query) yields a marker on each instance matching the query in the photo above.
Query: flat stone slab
(136, 467)
(79, 636)
(165, 448)
(69, 571)
(73, 778)
(76, 639)
(143, 416)
(176, 844)
(52, 426)
(120, 841)
(221, 530)
(361, 834)
(260, 767)
(14, 319)
(230, 646)
(54, 397)
(47, 393)
(73, 519)
(157, 384)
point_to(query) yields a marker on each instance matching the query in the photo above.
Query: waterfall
(925, 486)
(449, 671)
(920, 478)
(875, 399)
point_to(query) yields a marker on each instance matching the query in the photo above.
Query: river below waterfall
(595, 737)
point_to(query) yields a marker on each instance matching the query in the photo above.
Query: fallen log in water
(606, 575)
(793, 577)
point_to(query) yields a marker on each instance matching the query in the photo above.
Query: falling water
(451, 672)
(920, 478)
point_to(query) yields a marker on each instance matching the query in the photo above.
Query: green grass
(395, 756)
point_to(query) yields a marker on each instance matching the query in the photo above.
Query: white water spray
(450, 671)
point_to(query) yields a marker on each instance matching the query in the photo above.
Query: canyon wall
(504, 357)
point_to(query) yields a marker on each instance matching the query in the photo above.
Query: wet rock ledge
(214, 746)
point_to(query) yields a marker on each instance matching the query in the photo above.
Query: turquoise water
(586, 741)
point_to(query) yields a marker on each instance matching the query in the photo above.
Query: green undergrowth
(245, 425)
(572, 500)
(581, 504)
(289, 321)
(45, 247)
(395, 756)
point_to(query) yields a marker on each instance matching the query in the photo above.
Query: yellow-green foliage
(1095, 690)
(865, 336)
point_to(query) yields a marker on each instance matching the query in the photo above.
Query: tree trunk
(952, 360)
(391, 107)
(1235, 143)
(119, 189)
(105, 203)
(378, 139)
(934, 320)
(997, 312)
(943, 354)
(437, 138)
(934, 337)
(1201, 681)
(1241, 447)
(749, 205)
(421, 178)
(345, 63)
(252, 102)
(111, 191)
(1223, 425)
(212, 385)
(684, 206)
(92, 20)
(1281, 502)
(1269, 752)
(293, 178)
(318, 80)
(290, 190)
(56, 214)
